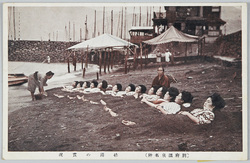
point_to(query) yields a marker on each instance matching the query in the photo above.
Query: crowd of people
(168, 100)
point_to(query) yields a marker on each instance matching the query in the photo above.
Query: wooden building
(194, 20)
(139, 34)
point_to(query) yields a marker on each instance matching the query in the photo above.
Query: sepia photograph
(149, 81)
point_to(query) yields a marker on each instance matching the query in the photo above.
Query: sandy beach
(63, 124)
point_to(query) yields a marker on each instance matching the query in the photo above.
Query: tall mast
(9, 28)
(125, 23)
(147, 16)
(14, 23)
(80, 34)
(133, 17)
(103, 20)
(74, 31)
(122, 22)
(69, 31)
(140, 17)
(95, 25)
(66, 33)
(150, 17)
(86, 28)
(117, 32)
(111, 22)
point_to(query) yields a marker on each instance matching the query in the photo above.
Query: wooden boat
(17, 79)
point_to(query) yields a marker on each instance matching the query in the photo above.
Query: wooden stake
(74, 60)
(105, 53)
(141, 54)
(97, 76)
(83, 73)
(100, 62)
(68, 65)
(86, 62)
(135, 57)
(186, 54)
(126, 61)
(82, 58)
(112, 58)
(108, 59)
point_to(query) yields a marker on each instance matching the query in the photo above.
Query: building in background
(195, 20)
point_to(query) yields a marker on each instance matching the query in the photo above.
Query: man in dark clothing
(161, 79)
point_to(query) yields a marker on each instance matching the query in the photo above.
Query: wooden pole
(111, 22)
(126, 61)
(68, 65)
(122, 23)
(146, 57)
(82, 58)
(135, 57)
(103, 20)
(100, 62)
(97, 76)
(105, 53)
(74, 60)
(86, 62)
(108, 59)
(112, 58)
(186, 54)
(83, 73)
(141, 54)
(95, 25)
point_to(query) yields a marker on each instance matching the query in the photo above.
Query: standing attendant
(158, 56)
(48, 59)
(161, 79)
(37, 80)
(167, 56)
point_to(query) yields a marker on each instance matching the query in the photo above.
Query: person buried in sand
(129, 91)
(161, 79)
(154, 93)
(101, 87)
(37, 80)
(169, 95)
(116, 88)
(171, 107)
(93, 84)
(139, 89)
(206, 115)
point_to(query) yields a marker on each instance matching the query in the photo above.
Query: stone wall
(230, 45)
(37, 51)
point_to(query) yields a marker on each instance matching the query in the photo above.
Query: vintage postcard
(125, 81)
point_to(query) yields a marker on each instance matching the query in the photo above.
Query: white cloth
(171, 107)
(167, 56)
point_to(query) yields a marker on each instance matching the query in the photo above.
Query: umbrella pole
(186, 54)
(108, 59)
(134, 57)
(141, 54)
(68, 65)
(100, 62)
(86, 61)
(105, 53)
(74, 60)
(82, 58)
(112, 58)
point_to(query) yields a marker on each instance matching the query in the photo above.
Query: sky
(52, 22)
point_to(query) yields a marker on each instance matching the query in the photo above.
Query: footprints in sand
(107, 109)
(113, 114)
(128, 123)
(57, 95)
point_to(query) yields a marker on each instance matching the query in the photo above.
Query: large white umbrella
(102, 41)
(172, 35)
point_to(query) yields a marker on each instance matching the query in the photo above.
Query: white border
(123, 155)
